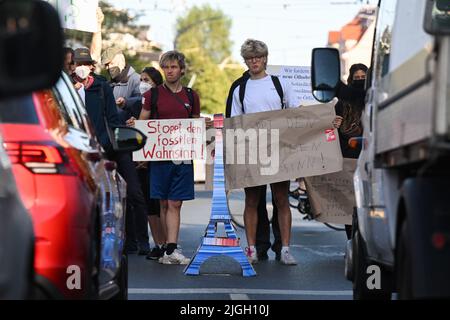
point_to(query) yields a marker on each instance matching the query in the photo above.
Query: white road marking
(230, 291)
(239, 296)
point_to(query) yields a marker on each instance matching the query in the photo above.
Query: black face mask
(359, 84)
(114, 72)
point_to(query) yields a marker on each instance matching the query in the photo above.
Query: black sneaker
(155, 254)
(276, 247)
(262, 255)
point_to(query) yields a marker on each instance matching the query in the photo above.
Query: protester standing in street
(150, 78)
(102, 111)
(348, 116)
(261, 94)
(171, 182)
(263, 243)
(125, 80)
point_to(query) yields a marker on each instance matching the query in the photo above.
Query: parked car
(16, 235)
(20, 75)
(113, 275)
(74, 195)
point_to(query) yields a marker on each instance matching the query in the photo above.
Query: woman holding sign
(348, 116)
(150, 78)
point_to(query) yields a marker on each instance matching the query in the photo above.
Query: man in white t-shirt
(261, 92)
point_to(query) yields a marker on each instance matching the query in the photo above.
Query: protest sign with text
(300, 80)
(77, 14)
(176, 140)
(273, 146)
(332, 196)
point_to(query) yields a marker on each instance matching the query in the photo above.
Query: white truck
(402, 182)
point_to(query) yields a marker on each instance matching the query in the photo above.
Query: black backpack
(154, 102)
(242, 82)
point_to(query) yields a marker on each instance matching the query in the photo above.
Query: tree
(203, 35)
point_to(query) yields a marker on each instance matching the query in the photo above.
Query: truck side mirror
(31, 46)
(128, 139)
(325, 73)
(437, 17)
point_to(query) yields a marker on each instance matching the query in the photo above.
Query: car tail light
(39, 158)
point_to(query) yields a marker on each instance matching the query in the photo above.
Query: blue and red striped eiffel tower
(211, 244)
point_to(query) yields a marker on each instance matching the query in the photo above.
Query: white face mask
(144, 87)
(82, 71)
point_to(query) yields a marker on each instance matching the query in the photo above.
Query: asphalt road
(319, 274)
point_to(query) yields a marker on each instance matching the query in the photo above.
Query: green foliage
(118, 20)
(203, 35)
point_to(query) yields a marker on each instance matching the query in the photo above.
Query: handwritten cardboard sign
(303, 146)
(332, 196)
(77, 14)
(176, 140)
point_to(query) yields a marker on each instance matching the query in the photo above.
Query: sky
(290, 28)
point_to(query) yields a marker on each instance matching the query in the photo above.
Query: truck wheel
(403, 261)
(360, 267)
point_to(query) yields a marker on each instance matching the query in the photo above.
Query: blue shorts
(170, 181)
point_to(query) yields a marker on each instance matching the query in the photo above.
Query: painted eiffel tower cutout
(211, 244)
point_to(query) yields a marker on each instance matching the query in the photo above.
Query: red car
(69, 189)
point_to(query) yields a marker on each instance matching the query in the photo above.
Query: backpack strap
(233, 87)
(279, 88)
(242, 92)
(190, 95)
(154, 103)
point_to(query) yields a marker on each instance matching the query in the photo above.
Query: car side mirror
(31, 47)
(128, 139)
(325, 73)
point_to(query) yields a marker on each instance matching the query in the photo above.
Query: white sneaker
(251, 255)
(175, 258)
(287, 259)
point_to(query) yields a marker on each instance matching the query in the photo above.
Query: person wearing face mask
(125, 80)
(82, 57)
(348, 115)
(349, 110)
(79, 76)
(101, 109)
(150, 78)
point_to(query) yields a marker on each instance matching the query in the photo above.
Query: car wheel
(403, 261)
(122, 279)
(361, 275)
(94, 262)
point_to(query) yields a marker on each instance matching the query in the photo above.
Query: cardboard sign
(176, 140)
(332, 196)
(77, 14)
(290, 143)
(300, 80)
